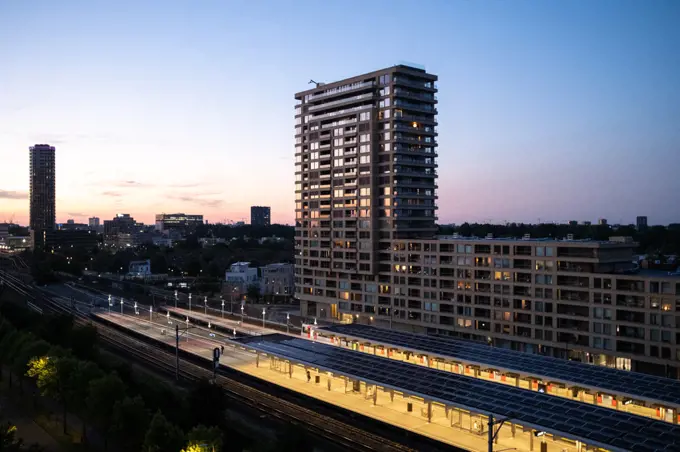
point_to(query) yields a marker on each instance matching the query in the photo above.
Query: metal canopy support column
(493, 436)
(375, 394)
(429, 411)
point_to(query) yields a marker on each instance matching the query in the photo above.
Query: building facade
(260, 216)
(241, 275)
(42, 197)
(641, 223)
(366, 249)
(178, 221)
(277, 279)
(93, 223)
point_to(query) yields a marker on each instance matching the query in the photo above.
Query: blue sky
(551, 110)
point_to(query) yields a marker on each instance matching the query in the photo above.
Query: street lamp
(187, 329)
(222, 307)
(110, 303)
(189, 302)
(263, 313)
(121, 305)
(241, 314)
(168, 316)
(288, 322)
(315, 321)
(205, 302)
(150, 313)
(175, 299)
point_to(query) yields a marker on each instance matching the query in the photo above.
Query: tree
(102, 396)
(29, 349)
(51, 374)
(78, 389)
(84, 342)
(130, 422)
(8, 437)
(162, 436)
(202, 438)
(253, 292)
(207, 403)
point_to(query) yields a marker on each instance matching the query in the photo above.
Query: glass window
(540, 251)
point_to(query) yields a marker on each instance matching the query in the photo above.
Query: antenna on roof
(316, 83)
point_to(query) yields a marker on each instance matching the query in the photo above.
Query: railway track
(336, 431)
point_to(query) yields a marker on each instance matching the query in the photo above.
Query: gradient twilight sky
(551, 110)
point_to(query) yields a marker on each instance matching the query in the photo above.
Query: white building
(241, 275)
(140, 268)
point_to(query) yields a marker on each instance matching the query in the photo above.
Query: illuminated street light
(222, 307)
(121, 305)
(110, 304)
(189, 302)
(315, 321)
(136, 311)
(287, 322)
(168, 316)
(241, 314)
(175, 299)
(263, 313)
(205, 302)
(150, 314)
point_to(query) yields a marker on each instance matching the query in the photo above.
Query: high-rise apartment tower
(42, 191)
(365, 175)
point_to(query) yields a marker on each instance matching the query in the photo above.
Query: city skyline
(153, 112)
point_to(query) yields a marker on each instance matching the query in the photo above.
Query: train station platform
(452, 408)
(447, 407)
(229, 322)
(645, 395)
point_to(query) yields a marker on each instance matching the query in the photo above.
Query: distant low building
(71, 238)
(163, 241)
(71, 225)
(277, 279)
(178, 221)
(602, 222)
(139, 268)
(241, 275)
(270, 239)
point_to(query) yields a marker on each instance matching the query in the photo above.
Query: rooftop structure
(541, 413)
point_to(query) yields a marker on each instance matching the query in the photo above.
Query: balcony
(420, 84)
(340, 90)
(340, 102)
(346, 111)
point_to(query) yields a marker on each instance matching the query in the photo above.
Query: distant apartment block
(93, 223)
(42, 197)
(641, 223)
(139, 268)
(260, 216)
(277, 279)
(178, 221)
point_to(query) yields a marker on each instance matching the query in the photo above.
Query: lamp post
(110, 303)
(168, 316)
(222, 308)
(263, 313)
(121, 304)
(187, 329)
(241, 314)
(287, 322)
(315, 324)
(175, 299)
(136, 311)
(150, 313)
(205, 302)
(189, 302)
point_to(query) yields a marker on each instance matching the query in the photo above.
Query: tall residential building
(42, 192)
(365, 175)
(366, 249)
(260, 216)
(641, 223)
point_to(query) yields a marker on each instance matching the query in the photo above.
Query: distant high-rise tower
(42, 192)
(260, 216)
(641, 223)
(93, 223)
